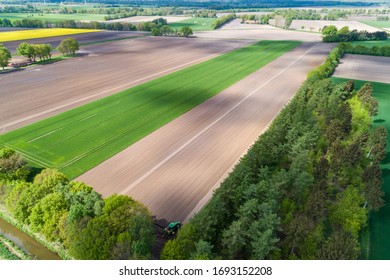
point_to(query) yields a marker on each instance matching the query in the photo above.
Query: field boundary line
(147, 174)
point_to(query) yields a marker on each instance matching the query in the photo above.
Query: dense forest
(304, 189)
(71, 215)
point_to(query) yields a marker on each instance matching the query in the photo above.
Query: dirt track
(41, 91)
(174, 170)
(364, 67)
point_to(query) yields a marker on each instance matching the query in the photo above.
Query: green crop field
(5, 253)
(79, 139)
(377, 24)
(379, 225)
(372, 43)
(40, 33)
(197, 24)
(52, 17)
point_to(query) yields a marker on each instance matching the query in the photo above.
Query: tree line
(222, 20)
(304, 189)
(160, 27)
(374, 50)
(332, 34)
(72, 214)
(33, 52)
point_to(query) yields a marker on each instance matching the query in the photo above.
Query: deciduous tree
(68, 46)
(5, 56)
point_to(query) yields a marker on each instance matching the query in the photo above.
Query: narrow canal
(26, 243)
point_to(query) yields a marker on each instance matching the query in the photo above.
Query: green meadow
(377, 24)
(197, 24)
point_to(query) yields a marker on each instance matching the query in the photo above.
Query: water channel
(26, 243)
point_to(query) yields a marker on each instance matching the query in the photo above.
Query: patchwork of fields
(79, 139)
(40, 33)
(379, 227)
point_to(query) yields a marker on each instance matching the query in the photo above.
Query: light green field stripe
(79, 139)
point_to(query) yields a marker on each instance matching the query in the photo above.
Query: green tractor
(172, 229)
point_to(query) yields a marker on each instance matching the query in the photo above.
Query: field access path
(39, 92)
(175, 169)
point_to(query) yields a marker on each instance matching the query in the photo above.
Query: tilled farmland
(364, 67)
(174, 170)
(42, 91)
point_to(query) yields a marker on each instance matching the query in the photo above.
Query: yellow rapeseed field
(40, 33)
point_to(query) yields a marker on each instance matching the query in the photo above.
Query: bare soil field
(41, 91)
(174, 170)
(364, 67)
(236, 25)
(85, 38)
(318, 25)
(8, 29)
(362, 17)
(138, 19)
(261, 34)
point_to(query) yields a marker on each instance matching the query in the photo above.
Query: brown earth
(318, 25)
(237, 25)
(364, 67)
(8, 29)
(265, 33)
(38, 92)
(174, 170)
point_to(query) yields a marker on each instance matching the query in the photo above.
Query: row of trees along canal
(43, 52)
(72, 217)
(304, 189)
